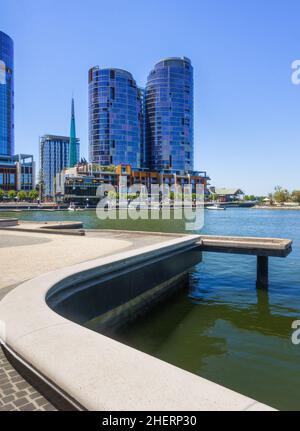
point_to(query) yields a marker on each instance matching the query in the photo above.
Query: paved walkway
(25, 255)
(16, 393)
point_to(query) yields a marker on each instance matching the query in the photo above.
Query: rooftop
(225, 191)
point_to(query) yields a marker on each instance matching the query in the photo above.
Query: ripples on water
(221, 327)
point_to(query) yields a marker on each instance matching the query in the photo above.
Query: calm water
(220, 327)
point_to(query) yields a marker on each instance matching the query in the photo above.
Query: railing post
(262, 278)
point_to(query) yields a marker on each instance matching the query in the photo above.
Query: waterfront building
(169, 116)
(8, 174)
(115, 118)
(25, 172)
(227, 195)
(79, 184)
(6, 95)
(143, 158)
(54, 157)
(17, 172)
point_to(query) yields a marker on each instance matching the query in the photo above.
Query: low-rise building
(8, 174)
(17, 172)
(80, 184)
(226, 195)
(25, 167)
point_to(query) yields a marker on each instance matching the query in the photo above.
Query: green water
(220, 327)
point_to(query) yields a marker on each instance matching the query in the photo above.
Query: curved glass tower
(6, 95)
(169, 109)
(115, 118)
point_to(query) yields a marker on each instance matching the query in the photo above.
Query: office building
(6, 95)
(169, 116)
(54, 157)
(17, 172)
(115, 118)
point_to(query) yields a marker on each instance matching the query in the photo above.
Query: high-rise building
(115, 118)
(54, 157)
(6, 95)
(169, 116)
(73, 143)
(17, 172)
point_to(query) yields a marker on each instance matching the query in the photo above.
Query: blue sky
(247, 111)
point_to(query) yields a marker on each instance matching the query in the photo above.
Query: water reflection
(245, 346)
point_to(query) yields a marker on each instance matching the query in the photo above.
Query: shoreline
(29, 208)
(276, 208)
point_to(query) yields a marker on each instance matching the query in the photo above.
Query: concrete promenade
(25, 255)
(103, 374)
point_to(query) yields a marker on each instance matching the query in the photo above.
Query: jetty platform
(263, 248)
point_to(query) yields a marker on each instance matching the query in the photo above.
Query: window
(112, 93)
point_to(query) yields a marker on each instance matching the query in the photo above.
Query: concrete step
(7, 222)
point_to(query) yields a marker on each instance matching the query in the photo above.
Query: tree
(250, 198)
(280, 195)
(11, 195)
(214, 197)
(1, 194)
(111, 194)
(33, 195)
(22, 195)
(296, 196)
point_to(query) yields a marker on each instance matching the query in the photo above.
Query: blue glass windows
(115, 129)
(6, 95)
(169, 116)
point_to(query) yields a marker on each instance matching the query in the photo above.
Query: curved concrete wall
(124, 289)
(96, 372)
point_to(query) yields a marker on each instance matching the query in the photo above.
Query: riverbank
(50, 206)
(31, 206)
(277, 207)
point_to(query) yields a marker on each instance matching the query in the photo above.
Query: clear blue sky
(247, 111)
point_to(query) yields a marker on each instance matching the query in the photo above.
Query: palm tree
(22, 195)
(11, 195)
(33, 195)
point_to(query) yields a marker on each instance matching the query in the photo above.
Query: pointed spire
(73, 142)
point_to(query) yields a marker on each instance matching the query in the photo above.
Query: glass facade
(6, 95)
(169, 106)
(8, 173)
(25, 166)
(54, 157)
(115, 118)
